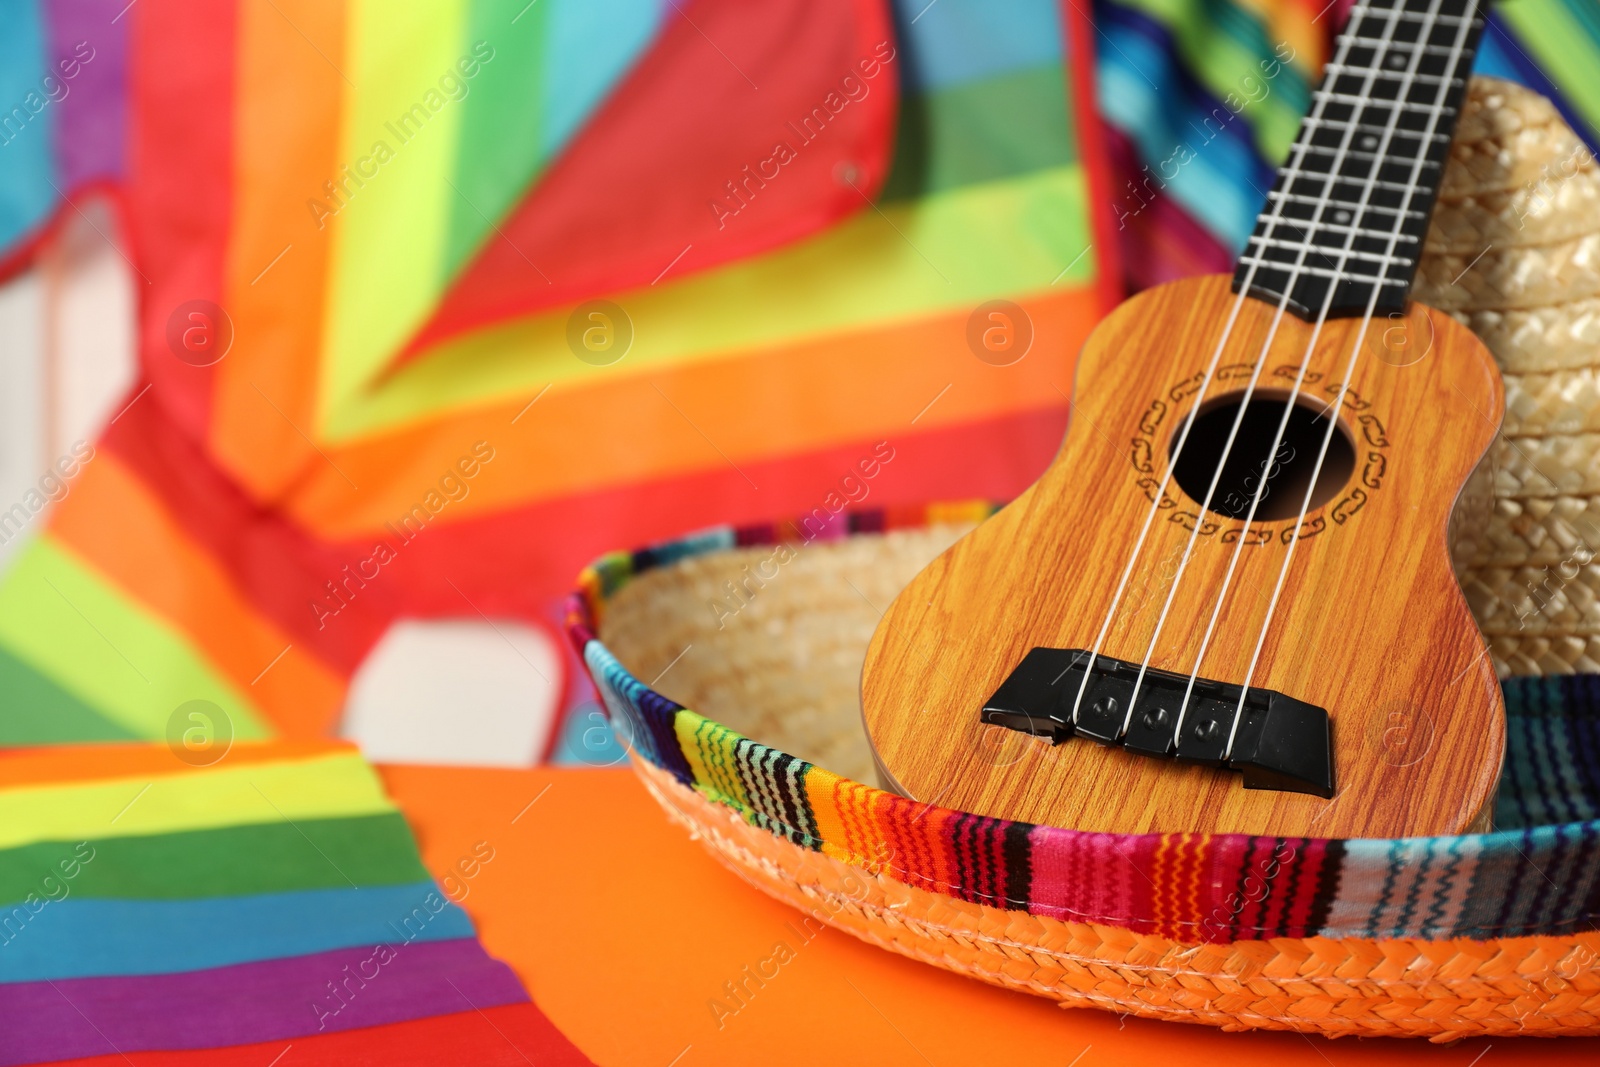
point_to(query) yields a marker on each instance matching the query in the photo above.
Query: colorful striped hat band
(1538, 874)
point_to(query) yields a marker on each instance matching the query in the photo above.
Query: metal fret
(1365, 257)
(1393, 47)
(1297, 198)
(1324, 272)
(1420, 79)
(1446, 21)
(1365, 102)
(1333, 227)
(1344, 124)
(1348, 214)
(1393, 187)
(1350, 153)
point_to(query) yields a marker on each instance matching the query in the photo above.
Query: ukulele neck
(1343, 228)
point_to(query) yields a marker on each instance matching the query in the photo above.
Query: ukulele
(1228, 606)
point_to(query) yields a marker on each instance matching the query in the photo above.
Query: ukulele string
(1161, 490)
(1463, 29)
(1368, 186)
(1160, 493)
(1294, 272)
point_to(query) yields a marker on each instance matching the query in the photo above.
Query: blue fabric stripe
(26, 137)
(1510, 810)
(1160, 107)
(642, 717)
(1583, 751)
(713, 539)
(592, 44)
(1500, 55)
(950, 42)
(80, 938)
(587, 740)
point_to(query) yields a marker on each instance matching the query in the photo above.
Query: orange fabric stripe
(285, 141)
(1196, 852)
(86, 763)
(1160, 880)
(643, 427)
(116, 524)
(1178, 872)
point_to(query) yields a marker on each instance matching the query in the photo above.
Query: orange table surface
(625, 931)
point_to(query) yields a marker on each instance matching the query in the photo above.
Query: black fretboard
(1350, 207)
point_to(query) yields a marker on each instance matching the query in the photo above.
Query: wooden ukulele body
(1370, 624)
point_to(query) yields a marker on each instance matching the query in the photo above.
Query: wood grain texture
(1371, 624)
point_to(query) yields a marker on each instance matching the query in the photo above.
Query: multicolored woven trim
(1524, 879)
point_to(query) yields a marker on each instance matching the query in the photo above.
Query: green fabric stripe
(863, 273)
(1222, 43)
(982, 131)
(500, 147)
(65, 620)
(1566, 45)
(717, 753)
(231, 861)
(36, 711)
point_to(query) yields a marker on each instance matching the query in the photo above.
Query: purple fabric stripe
(91, 129)
(267, 1001)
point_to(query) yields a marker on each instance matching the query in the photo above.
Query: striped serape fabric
(1200, 100)
(368, 243)
(272, 898)
(395, 226)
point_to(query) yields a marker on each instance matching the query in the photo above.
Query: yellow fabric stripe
(1290, 24)
(1561, 48)
(65, 619)
(322, 787)
(709, 749)
(390, 233)
(822, 791)
(916, 259)
(684, 725)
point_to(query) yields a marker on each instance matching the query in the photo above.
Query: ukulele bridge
(1277, 742)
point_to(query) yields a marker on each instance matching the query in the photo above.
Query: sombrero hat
(758, 635)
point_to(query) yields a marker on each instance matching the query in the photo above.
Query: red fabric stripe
(634, 192)
(1162, 242)
(519, 561)
(274, 564)
(1092, 149)
(1268, 870)
(509, 1036)
(925, 836)
(1310, 855)
(516, 563)
(180, 187)
(1249, 877)
(1229, 855)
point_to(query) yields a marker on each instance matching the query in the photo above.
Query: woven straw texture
(1515, 254)
(1442, 990)
(780, 661)
(763, 632)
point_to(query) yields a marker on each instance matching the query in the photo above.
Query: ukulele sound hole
(1286, 473)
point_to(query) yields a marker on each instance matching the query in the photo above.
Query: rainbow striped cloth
(273, 898)
(396, 223)
(1201, 100)
(368, 241)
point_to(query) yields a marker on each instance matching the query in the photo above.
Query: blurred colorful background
(335, 338)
